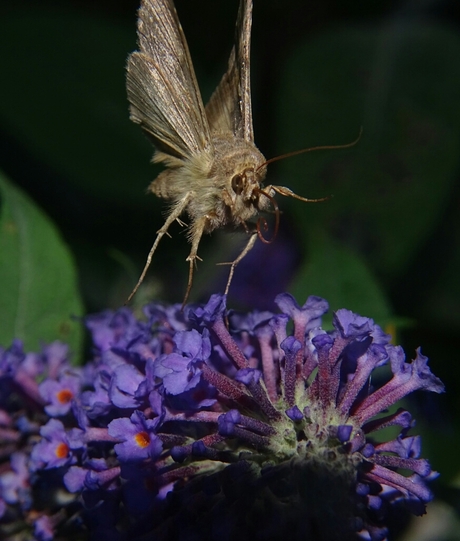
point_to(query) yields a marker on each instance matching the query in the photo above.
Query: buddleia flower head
(207, 424)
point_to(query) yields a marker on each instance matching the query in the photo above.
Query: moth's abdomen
(182, 177)
(163, 185)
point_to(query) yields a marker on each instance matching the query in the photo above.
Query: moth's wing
(229, 108)
(162, 87)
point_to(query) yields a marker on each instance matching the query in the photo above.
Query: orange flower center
(62, 450)
(142, 439)
(64, 396)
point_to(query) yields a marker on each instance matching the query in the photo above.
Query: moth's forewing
(162, 87)
(229, 108)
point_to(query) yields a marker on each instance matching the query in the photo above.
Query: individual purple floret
(211, 425)
(59, 394)
(54, 450)
(137, 437)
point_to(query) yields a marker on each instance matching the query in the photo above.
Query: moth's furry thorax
(225, 181)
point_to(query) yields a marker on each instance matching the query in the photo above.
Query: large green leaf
(38, 282)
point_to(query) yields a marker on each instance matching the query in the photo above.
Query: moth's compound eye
(238, 184)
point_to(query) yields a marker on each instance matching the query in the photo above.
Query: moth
(214, 172)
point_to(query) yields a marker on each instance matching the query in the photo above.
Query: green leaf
(38, 282)
(342, 278)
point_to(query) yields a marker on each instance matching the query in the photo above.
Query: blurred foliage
(386, 243)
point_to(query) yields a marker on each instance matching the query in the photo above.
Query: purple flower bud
(248, 376)
(214, 309)
(294, 414)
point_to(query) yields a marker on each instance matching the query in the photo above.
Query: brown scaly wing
(229, 108)
(162, 87)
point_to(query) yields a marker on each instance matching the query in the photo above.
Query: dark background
(386, 243)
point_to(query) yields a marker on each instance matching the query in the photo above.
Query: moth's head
(247, 180)
(240, 171)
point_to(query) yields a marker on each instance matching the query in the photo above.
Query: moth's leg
(196, 234)
(233, 264)
(175, 213)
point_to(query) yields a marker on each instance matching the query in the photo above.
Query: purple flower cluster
(205, 424)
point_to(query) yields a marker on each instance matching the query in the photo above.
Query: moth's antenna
(304, 150)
